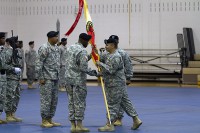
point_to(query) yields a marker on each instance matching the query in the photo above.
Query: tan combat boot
(118, 122)
(80, 128)
(30, 86)
(107, 128)
(16, 118)
(73, 127)
(55, 124)
(137, 123)
(46, 124)
(3, 122)
(62, 89)
(9, 117)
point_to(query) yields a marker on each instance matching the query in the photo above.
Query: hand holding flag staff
(95, 56)
(90, 31)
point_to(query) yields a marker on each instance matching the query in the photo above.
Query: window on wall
(90, 8)
(49, 10)
(33, 10)
(154, 6)
(63, 9)
(106, 8)
(95, 8)
(103, 8)
(99, 8)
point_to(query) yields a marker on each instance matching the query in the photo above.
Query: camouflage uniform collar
(80, 44)
(52, 47)
(63, 46)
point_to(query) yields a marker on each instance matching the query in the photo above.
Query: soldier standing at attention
(112, 67)
(63, 49)
(21, 54)
(12, 58)
(47, 72)
(76, 76)
(3, 68)
(2, 75)
(30, 58)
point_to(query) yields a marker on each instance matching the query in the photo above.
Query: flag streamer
(77, 18)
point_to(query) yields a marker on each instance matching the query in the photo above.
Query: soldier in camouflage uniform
(63, 49)
(128, 70)
(76, 70)
(112, 67)
(21, 54)
(47, 72)
(30, 57)
(2, 75)
(13, 81)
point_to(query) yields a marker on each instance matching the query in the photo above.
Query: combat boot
(30, 86)
(46, 124)
(62, 89)
(137, 123)
(54, 123)
(80, 128)
(73, 127)
(9, 117)
(118, 122)
(16, 118)
(107, 128)
(3, 122)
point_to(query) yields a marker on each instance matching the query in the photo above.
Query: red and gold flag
(90, 31)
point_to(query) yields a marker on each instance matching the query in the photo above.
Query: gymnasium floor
(162, 109)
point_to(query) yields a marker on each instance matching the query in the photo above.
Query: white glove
(17, 70)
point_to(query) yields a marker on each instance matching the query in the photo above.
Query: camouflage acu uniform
(21, 61)
(62, 69)
(2, 81)
(48, 68)
(30, 57)
(115, 85)
(13, 83)
(128, 70)
(3, 84)
(76, 70)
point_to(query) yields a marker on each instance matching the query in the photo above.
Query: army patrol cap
(114, 37)
(31, 42)
(51, 34)
(85, 36)
(110, 40)
(2, 34)
(63, 39)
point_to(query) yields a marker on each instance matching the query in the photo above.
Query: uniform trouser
(120, 113)
(2, 91)
(48, 98)
(118, 97)
(12, 95)
(21, 74)
(77, 101)
(62, 77)
(30, 72)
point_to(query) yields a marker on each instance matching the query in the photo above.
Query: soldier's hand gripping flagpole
(95, 56)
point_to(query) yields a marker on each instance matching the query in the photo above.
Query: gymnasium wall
(140, 24)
